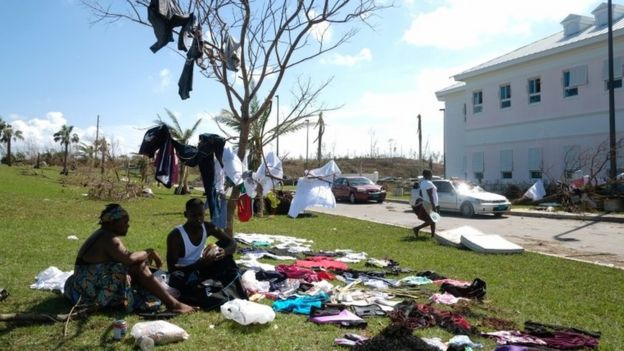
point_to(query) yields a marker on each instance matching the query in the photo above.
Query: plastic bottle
(247, 312)
(144, 343)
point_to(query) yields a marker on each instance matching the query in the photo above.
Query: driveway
(589, 241)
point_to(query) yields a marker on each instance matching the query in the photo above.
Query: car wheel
(380, 201)
(498, 215)
(352, 198)
(467, 210)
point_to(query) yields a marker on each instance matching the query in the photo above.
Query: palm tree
(65, 137)
(86, 152)
(182, 136)
(7, 134)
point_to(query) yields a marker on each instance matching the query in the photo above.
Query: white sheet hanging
(273, 167)
(315, 189)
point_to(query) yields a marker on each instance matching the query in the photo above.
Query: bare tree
(254, 41)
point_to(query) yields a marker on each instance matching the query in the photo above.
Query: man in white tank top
(191, 261)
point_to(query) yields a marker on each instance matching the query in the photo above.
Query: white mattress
(489, 243)
(452, 237)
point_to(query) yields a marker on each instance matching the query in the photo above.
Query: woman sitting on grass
(106, 274)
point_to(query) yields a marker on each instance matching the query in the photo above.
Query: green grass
(37, 214)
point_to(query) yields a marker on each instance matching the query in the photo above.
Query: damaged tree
(246, 46)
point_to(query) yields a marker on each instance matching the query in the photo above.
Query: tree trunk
(9, 152)
(243, 139)
(65, 159)
(259, 189)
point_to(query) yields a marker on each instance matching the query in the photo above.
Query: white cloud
(163, 81)
(460, 24)
(349, 60)
(322, 31)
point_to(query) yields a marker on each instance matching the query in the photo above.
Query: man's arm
(227, 243)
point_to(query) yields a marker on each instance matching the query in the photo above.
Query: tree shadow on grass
(46, 313)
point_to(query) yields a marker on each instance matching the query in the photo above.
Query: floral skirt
(108, 285)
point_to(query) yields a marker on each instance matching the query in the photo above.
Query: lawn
(38, 212)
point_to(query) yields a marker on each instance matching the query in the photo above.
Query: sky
(57, 67)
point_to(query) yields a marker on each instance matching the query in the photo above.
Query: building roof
(546, 46)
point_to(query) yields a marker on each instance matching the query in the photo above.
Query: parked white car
(469, 199)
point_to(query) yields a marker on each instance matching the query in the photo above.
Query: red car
(358, 189)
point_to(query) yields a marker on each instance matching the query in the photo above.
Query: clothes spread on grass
(315, 189)
(51, 278)
(407, 301)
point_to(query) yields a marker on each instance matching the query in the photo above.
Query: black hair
(110, 208)
(194, 202)
(427, 173)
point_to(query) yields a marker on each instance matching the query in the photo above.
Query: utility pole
(307, 138)
(277, 128)
(612, 143)
(419, 139)
(95, 146)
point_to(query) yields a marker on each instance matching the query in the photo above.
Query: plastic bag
(253, 285)
(246, 312)
(162, 332)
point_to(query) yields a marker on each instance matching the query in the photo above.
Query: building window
(506, 163)
(535, 90)
(505, 96)
(478, 176)
(535, 163)
(568, 89)
(572, 79)
(477, 101)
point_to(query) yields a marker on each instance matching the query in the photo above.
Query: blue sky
(56, 68)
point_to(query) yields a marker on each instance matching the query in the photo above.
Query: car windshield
(464, 187)
(360, 181)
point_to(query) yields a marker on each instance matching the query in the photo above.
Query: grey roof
(543, 46)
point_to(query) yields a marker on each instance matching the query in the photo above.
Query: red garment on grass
(294, 272)
(323, 262)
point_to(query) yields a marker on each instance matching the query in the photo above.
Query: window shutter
(535, 159)
(506, 160)
(477, 162)
(618, 68)
(578, 76)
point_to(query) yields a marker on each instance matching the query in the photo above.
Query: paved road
(596, 242)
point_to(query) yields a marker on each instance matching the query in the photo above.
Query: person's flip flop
(158, 315)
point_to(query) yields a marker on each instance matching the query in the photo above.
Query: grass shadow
(413, 238)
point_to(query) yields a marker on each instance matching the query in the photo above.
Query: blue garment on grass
(300, 305)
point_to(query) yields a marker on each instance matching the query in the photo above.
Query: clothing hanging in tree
(164, 15)
(185, 83)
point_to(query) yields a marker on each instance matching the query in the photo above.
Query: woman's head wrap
(112, 213)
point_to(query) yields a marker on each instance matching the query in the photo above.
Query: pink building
(541, 111)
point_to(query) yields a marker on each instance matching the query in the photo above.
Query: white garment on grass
(255, 264)
(536, 192)
(273, 167)
(51, 278)
(315, 189)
